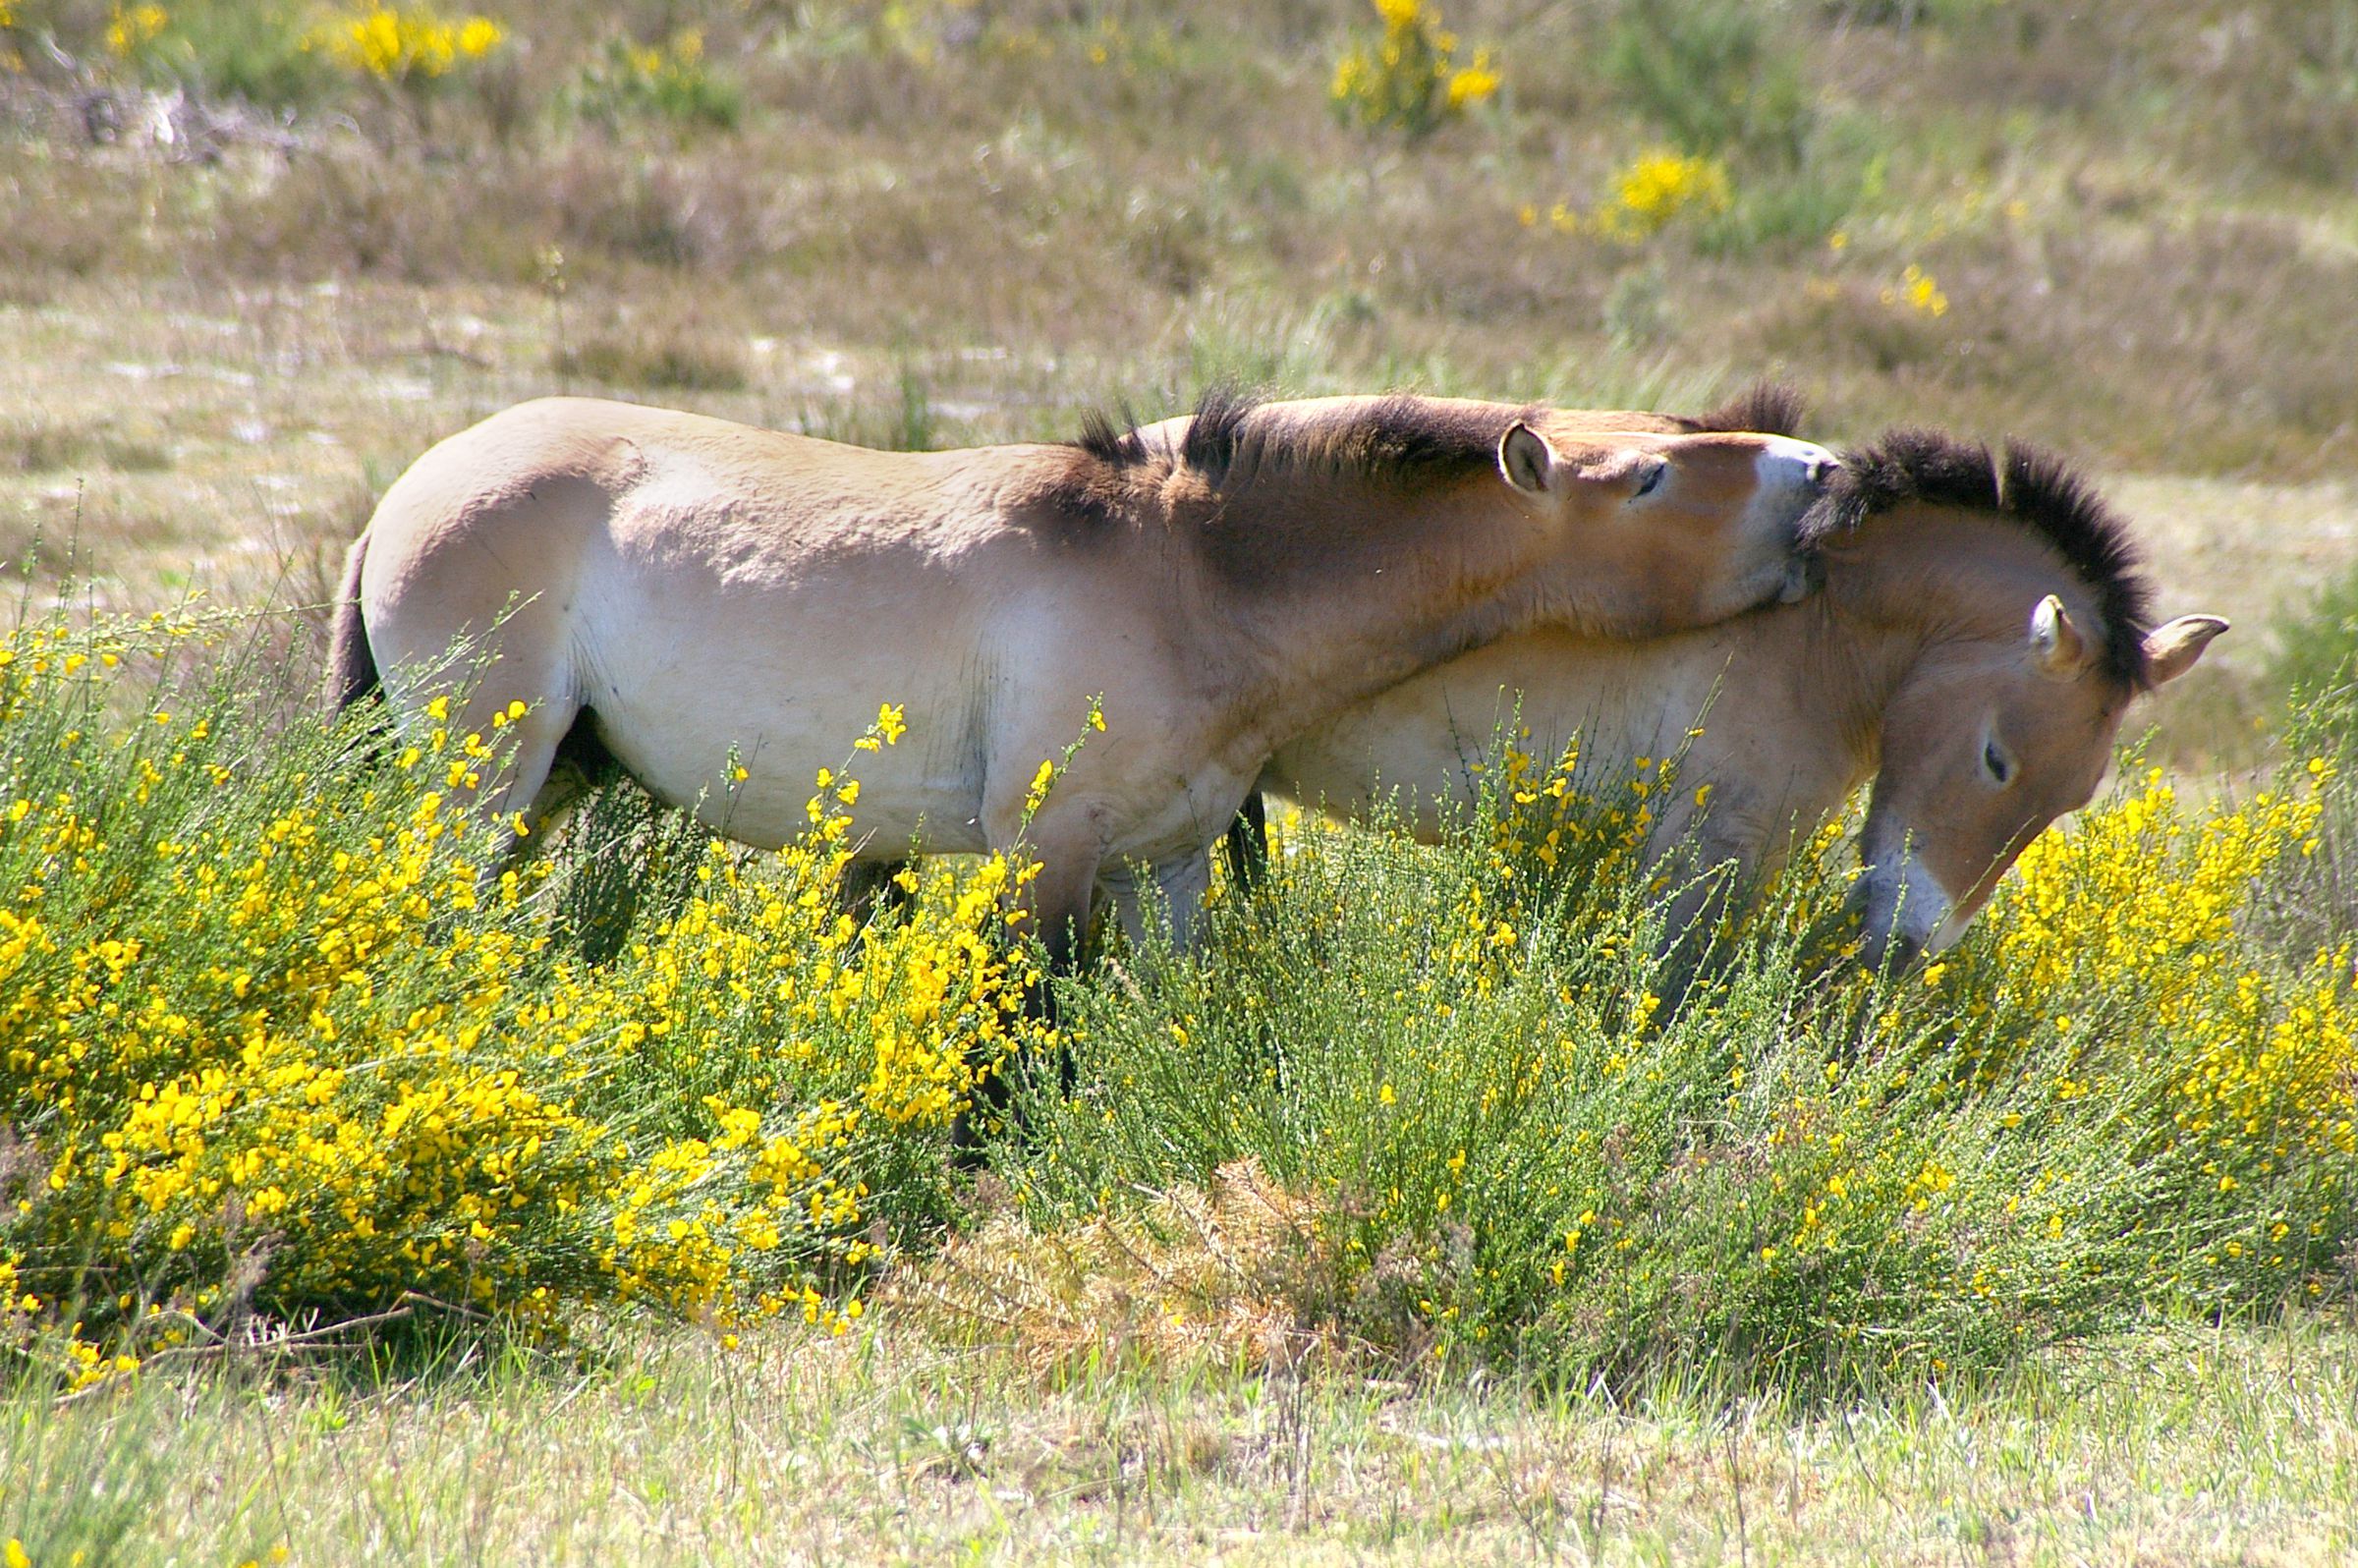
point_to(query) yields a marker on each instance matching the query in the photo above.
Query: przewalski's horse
(1981, 631)
(679, 592)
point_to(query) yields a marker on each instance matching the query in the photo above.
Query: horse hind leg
(520, 790)
(611, 880)
(1246, 846)
(1054, 909)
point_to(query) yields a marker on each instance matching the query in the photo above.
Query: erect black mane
(1400, 436)
(1771, 407)
(1118, 444)
(2030, 486)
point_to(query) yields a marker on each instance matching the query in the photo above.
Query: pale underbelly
(743, 739)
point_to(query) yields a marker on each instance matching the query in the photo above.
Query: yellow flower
(1658, 187)
(1922, 290)
(129, 30)
(1473, 83)
(1041, 781)
(407, 43)
(478, 36)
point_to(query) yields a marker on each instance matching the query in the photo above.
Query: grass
(2162, 1449)
(1221, 1309)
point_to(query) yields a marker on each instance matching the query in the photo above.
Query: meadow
(350, 1209)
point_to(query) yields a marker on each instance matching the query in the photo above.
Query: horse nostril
(1823, 468)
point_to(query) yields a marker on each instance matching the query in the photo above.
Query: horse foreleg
(870, 889)
(1720, 872)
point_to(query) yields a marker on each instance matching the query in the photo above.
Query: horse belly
(1436, 738)
(740, 724)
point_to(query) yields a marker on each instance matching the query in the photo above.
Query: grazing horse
(1983, 628)
(675, 592)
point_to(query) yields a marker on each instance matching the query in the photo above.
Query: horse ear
(1525, 459)
(2057, 647)
(2171, 647)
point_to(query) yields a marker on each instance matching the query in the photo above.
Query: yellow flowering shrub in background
(271, 1041)
(406, 44)
(129, 30)
(1409, 80)
(1656, 188)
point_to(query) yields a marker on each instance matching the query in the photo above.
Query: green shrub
(669, 81)
(2110, 1103)
(254, 52)
(2317, 652)
(1409, 80)
(1709, 74)
(271, 1043)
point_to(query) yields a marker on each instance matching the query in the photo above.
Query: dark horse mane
(1770, 408)
(2030, 487)
(1400, 436)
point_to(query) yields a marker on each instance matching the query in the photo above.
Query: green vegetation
(1402, 1220)
(2179, 1448)
(290, 1054)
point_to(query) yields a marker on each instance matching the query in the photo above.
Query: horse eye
(1651, 479)
(2000, 766)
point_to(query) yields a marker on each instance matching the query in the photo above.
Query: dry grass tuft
(1219, 1274)
(672, 357)
(38, 444)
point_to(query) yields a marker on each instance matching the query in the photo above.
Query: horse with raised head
(672, 591)
(1983, 629)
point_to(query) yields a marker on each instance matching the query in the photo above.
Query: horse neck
(1367, 589)
(1856, 643)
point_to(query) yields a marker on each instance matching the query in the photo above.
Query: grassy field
(435, 1235)
(2187, 1448)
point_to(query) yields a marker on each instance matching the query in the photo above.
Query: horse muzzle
(1903, 913)
(1791, 477)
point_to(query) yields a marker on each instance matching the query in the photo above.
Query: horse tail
(351, 666)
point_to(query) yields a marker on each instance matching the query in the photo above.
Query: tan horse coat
(688, 591)
(1981, 635)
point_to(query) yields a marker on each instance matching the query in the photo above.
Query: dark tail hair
(350, 667)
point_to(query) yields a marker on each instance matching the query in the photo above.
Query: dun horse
(674, 591)
(1981, 631)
